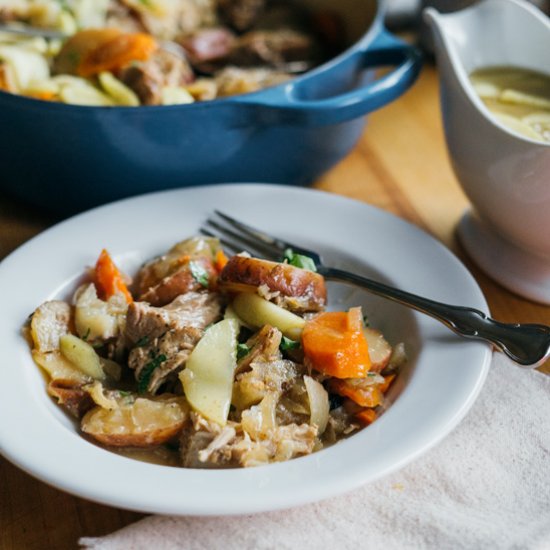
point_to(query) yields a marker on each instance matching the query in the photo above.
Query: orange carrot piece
(335, 345)
(366, 396)
(44, 96)
(116, 53)
(108, 279)
(384, 387)
(221, 260)
(366, 416)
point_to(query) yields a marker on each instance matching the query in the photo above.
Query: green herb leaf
(299, 260)
(147, 372)
(288, 344)
(242, 350)
(199, 274)
(143, 341)
(86, 336)
(366, 321)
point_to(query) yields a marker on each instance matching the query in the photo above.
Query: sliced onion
(318, 403)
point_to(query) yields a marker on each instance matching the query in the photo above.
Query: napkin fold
(487, 485)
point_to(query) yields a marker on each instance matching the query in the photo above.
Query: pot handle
(296, 101)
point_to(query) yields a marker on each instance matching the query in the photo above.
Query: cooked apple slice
(81, 355)
(208, 376)
(257, 312)
(303, 290)
(379, 349)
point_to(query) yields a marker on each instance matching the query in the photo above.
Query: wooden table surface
(400, 165)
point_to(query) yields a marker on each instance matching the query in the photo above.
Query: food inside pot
(518, 98)
(159, 52)
(206, 361)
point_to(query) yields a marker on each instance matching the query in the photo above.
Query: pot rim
(368, 36)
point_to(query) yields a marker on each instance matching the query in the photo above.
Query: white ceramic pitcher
(506, 176)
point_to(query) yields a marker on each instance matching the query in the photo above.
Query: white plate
(440, 383)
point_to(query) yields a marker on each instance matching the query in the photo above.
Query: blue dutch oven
(66, 158)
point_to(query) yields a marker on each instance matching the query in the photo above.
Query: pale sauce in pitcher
(519, 98)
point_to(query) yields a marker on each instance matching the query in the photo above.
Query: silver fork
(527, 345)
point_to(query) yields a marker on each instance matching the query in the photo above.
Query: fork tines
(239, 237)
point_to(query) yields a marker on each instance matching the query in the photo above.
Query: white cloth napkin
(487, 485)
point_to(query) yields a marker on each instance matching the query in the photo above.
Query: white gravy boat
(505, 176)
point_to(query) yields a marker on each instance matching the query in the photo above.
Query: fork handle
(526, 344)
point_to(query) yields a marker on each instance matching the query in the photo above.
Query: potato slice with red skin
(245, 274)
(49, 322)
(141, 423)
(379, 349)
(71, 396)
(179, 282)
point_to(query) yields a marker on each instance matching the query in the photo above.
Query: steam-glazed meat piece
(208, 445)
(162, 338)
(240, 14)
(148, 78)
(194, 309)
(263, 346)
(196, 438)
(163, 356)
(208, 45)
(275, 49)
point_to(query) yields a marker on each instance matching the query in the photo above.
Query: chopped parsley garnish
(288, 344)
(242, 350)
(86, 336)
(366, 321)
(199, 273)
(147, 372)
(299, 260)
(143, 341)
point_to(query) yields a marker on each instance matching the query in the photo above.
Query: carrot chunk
(335, 345)
(366, 416)
(384, 387)
(363, 395)
(221, 260)
(116, 53)
(108, 279)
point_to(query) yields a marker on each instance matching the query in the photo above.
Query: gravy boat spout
(505, 175)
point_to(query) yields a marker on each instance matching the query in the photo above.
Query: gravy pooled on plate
(519, 98)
